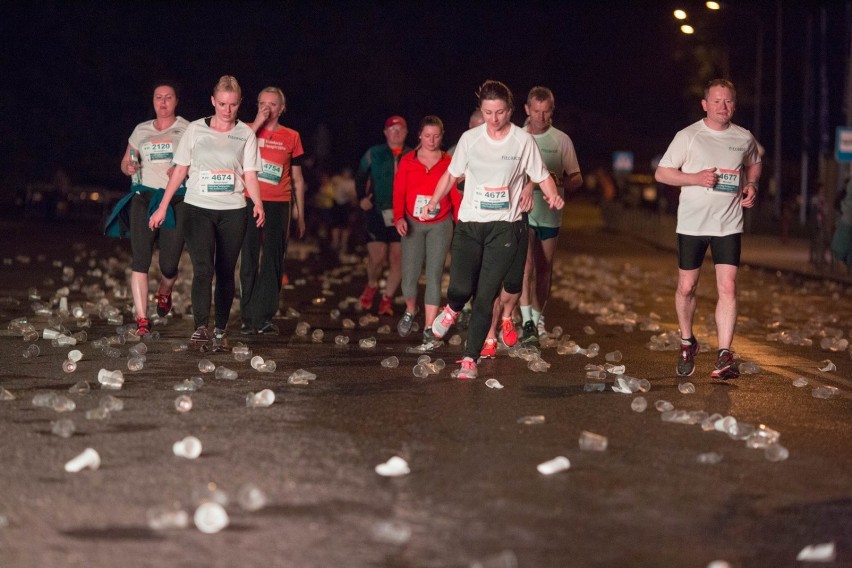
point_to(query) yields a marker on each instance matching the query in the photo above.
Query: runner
(148, 162)
(495, 159)
(221, 157)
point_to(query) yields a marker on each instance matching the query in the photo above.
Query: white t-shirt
(716, 211)
(156, 149)
(495, 172)
(216, 163)
(559, 156)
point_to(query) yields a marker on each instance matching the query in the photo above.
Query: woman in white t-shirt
(148, 162)
(221, 157)
(495, 158)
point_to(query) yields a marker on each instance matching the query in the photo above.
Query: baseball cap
(395, 120)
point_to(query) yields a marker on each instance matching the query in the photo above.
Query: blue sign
(622, 162)
(843, 144)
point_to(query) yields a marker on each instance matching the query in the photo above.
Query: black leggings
(213, 239)
(483, 253)
(142, 238)
(262, 262)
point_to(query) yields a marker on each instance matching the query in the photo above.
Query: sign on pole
(843, 144)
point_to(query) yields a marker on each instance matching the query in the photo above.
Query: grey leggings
(430, 241)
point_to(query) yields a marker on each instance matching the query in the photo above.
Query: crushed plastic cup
(391, 532)
(69, 366)
(639, 404)
(531, 420)
(251, 498)
(64, 428)
(557, 464)
(589, 330)
(420, 371)
(225, 373)
(826, 366)
(135, 364)
(302, 328)
(206, 366)
(589, 441)
(81, 387)
(455, 340)
(663, 406)
(301, 377)
(825, 391)
(189, 448)
(111, 403)
(110, 379)
(686, 388)
(394, 467)
(75, 355)
(183, 403)
(762, 437)
(613, 356)
(709, 458)
(98, 413)
(493, 384)
(594, 387)
(166, 518)
(241, 353)
(6, 395)
(824, 552)
(776, 453)
(317, 335)
(749, 368)
(644, 385)
(31, 351)
(88, 459)
(261, 399)
(800, 382)
(391, 362)
(210, 517)
(49, 333)
(367, 343)
(341, 340)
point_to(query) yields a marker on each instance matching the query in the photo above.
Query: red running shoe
(367, 296)
(386, 306)
(164, 304)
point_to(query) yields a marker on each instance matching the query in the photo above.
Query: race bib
(217, 181)
(728, 182)
(270, 172)
(420, 204)
(492, 198)
(387, 215)
(158, 151)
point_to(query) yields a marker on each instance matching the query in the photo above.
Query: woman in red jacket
(429, 240)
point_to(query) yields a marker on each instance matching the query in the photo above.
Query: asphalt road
(473, 493)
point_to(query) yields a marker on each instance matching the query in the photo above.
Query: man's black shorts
(691, 250)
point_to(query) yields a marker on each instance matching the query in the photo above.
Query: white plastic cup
(88, 459)
(189, 448)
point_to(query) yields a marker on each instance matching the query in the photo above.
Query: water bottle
(135, 178)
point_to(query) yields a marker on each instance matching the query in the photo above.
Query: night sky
(79, 75)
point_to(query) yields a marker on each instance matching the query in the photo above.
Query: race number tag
(728, 182)
(270, 172)
(217, 181)
(158, 151)
(492, 198)
(387, 215)
(420, 204)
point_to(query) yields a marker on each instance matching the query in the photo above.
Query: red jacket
(413, 180)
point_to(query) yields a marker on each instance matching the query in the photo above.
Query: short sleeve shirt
(716, 211)
(156, 150)
(495, 172)
(217, 162)
(277, 149)
(559, 156)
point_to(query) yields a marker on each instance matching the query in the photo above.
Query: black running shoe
(726, 366)
(686, 357)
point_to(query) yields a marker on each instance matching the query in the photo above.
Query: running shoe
(219, 341)
(726, 365)
(429, 341)
(444, 322)
(542, 331)
(530, 334)
(200, 338)
(508, 333)
(164, 304)
(463, 321)
(489, 350)
(247, 329)
(689, 348)
(386, 306)
(403, 328)
(268, 328)
(367, 296)
(143, 327)
(467, 369)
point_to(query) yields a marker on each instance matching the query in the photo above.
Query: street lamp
(713, 5)
(687, 29)
(680, 14)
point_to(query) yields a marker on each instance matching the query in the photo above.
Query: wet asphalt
(473, 493)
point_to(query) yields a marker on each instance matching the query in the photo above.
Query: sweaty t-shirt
(156, 150)
(559, 156)
(277, 149)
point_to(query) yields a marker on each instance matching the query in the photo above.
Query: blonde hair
(277, 91)
(228, 83)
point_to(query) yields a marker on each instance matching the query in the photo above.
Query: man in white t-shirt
(717, 166)
(557, 151)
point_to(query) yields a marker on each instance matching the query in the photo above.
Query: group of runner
(495, 199)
